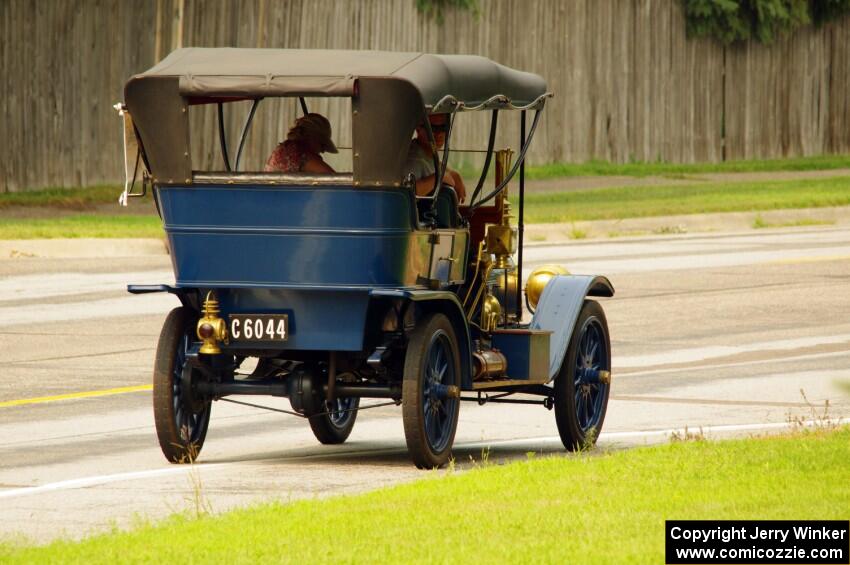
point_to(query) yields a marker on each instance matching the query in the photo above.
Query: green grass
(577, 233)
(69, 198)
(471, 171)
(679, 170)
(636, 202)
(760, 223)
(83, 225)
(609, 508)
(550, 207)
(79, 198)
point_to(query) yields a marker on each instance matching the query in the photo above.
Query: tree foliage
(436, 8)
(826, 10)
(762, 20)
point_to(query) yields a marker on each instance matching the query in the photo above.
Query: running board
(487, 385)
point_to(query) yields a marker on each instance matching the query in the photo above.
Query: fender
(447, 303)
(181, 293)
(558, 311)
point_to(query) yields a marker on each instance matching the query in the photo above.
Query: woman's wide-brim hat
(316, 127)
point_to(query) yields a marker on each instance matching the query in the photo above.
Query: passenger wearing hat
(300, 153)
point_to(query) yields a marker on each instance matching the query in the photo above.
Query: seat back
(445, 211)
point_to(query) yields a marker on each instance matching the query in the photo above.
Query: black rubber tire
(328, 432)
(176, 446)
(423, 454)
(572, 435)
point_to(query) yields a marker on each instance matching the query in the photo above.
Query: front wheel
(581, 393)
(334, 425)
(181, 416)
(429, 410)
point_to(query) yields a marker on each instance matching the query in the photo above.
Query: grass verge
(643, 169)
(637, 202)
(77, 198)
(564, 207)
(608, 508)
(67, 198)
(83, 225)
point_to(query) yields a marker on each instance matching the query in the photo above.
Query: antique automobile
(349, 286)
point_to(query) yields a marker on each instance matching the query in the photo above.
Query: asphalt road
(731, 333)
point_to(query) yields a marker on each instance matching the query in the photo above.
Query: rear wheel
(336, 424)
(181, 416)
(581, 400)
(431, 366)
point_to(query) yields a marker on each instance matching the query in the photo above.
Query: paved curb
(701, 224)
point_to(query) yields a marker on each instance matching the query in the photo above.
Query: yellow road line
(810, 259)
(72, 395)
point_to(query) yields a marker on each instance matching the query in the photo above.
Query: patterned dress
(287, 157)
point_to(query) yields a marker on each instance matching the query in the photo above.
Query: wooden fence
(628, 84)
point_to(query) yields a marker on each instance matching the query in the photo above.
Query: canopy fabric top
(469, 79)
(390, 93)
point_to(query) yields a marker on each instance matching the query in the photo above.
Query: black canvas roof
(471, 80)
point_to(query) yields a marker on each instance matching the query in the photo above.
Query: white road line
(98, 480)
(694, 354)
(603, 257)
(683, 262)
(27, 287)
(728, 365)
(91, 309)
(674, 253)
(105, 479)
(690, 243)
(686, 244)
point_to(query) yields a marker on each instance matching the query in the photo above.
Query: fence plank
(628, 83)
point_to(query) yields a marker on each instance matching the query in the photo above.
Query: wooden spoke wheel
(431, 366)
(182, 417)
(581, 395)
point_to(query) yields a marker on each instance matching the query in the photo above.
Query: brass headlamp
(538, 279)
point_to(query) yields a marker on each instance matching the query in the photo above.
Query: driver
(420, 159)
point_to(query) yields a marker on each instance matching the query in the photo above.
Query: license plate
(259, 327)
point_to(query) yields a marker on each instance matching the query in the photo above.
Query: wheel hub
(188, 396)
(590, 377)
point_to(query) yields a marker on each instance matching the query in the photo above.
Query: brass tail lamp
(211, 328)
